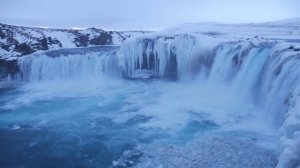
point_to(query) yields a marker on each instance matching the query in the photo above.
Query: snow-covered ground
(18, 40)
(285, 29)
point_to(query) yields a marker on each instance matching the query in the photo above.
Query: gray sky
(142, 14)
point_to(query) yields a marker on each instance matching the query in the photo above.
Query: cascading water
(222, 86)
(65, 66)
(264, 72)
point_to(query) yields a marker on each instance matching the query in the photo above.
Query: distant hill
(19, 40)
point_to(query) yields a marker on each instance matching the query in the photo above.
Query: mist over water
(75, 109)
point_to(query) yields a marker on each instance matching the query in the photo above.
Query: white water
(236, 86)
(244, 68)
(66, 66)
(259, 72)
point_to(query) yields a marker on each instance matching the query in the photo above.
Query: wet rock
(8, 68)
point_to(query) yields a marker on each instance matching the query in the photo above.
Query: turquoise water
(68, 131)
(75, 110)
(67, 124)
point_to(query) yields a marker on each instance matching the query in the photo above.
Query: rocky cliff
(17, 40)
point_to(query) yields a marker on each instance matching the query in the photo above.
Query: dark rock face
(171, 68)
(24, 49)
(54, 41)
(8, 68)
(21, 41)
(25, 40)
(2, 35)
(81, 40)
(104, 39)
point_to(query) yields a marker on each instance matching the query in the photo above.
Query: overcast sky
(142, 14)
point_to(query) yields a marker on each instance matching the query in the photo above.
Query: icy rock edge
(290, 134)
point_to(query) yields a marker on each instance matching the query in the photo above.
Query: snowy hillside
(17, 40)
(285, 29)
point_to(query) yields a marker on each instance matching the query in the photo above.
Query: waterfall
(266, 72)
(262, 71)
(185, 56)
(55, 65)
